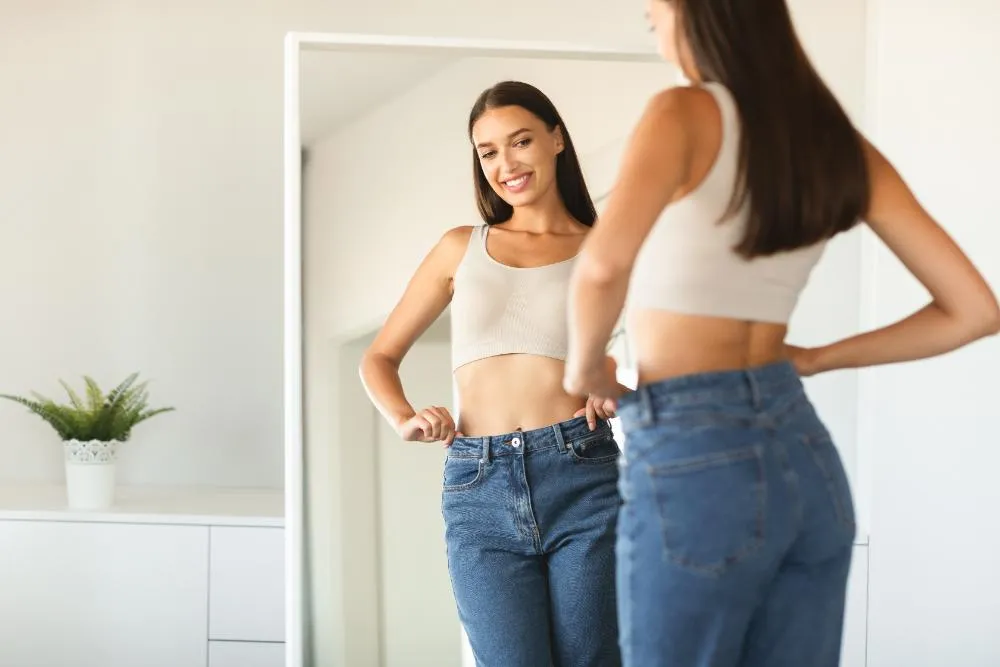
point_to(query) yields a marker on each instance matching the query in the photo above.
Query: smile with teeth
(517, 182)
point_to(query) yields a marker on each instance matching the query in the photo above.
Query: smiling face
(517, 154)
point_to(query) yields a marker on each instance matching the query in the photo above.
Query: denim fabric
(735, 535)
(529, 525)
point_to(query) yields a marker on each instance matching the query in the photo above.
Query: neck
(548, 214)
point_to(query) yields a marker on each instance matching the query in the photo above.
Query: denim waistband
(753, 387)
(559, 435)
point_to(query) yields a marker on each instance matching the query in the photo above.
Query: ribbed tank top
(687, 264)
(499, 309)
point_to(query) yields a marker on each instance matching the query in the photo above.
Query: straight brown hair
(802, 163)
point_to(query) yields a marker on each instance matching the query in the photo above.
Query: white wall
(141, 219)
(932, 426)
(141, 229)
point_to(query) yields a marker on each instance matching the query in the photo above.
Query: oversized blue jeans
(529, 526)
(735, 535)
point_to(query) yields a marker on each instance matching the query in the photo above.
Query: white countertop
(215, 506)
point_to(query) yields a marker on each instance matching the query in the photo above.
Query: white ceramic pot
(90, 473)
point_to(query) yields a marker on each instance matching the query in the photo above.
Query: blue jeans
(736, 530)
(529, 525)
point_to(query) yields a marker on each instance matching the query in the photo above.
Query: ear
(557, 136)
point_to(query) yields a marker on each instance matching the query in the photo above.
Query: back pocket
(711, 508)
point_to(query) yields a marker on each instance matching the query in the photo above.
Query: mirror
(385, 171)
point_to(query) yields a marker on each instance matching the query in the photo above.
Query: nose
(509, 163)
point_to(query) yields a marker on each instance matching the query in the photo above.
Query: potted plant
(91, 429)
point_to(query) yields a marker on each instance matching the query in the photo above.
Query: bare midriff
(512, 392)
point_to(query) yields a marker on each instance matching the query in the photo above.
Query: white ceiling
(336, 87)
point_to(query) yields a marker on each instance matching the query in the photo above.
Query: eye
(522, 143)
(487, 155)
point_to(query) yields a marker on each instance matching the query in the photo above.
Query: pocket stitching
(589, 439)
(753, 543)
(480, 474)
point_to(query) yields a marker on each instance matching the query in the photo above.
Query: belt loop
(486, 449)
(645, 405)
(560, 440)
(754, 385)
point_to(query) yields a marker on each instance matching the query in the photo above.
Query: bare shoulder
(451, 247)
(680, 104)
(671, 118)
(426, 296)
(456, 238)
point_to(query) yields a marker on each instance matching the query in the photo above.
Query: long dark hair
(801, 161)
(569, 176)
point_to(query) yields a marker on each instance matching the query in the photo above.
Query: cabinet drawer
(245, 654)
(247, 584)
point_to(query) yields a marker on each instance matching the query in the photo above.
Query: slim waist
(755, 387)
(561, 435)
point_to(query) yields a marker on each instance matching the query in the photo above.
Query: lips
(517, 183)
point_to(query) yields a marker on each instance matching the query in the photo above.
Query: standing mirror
(378, 168)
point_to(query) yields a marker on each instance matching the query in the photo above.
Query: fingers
(603, 408)
(610, 407)
(448, 434)
(419, 427)
(591, 414)
(440, 425)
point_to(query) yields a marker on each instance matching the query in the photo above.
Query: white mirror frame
(295, 43)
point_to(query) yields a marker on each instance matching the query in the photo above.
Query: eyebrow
(513, 134)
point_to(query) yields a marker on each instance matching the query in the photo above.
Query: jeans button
(516, 442)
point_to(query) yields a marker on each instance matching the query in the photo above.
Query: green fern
(97, 416)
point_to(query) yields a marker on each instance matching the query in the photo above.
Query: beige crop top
(498, 309)
(687, 264)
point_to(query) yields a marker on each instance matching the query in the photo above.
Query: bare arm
(963, 308)
(426, 296)
(655, 165)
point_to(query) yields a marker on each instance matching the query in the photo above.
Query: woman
(530, 494)
(736, 531)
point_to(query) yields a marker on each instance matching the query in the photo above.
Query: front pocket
(595, 449)
(711, 508)
(461, 473)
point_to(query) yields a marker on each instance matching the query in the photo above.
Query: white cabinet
(148, 583)
(247, 596)
(103, 595)
(245, 654)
